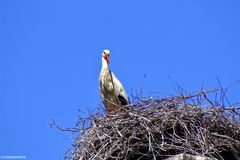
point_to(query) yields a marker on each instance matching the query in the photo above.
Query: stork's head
(106, 55)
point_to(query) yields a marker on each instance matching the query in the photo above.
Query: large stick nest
(159, 128)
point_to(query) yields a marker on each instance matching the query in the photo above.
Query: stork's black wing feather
(122, 100)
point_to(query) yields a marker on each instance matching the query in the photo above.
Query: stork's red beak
(107, 58)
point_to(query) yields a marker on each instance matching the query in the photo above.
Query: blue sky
(50, 59)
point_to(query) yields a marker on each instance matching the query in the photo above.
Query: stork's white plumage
(112, 92)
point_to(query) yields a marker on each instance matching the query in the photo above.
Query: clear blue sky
(50, 59)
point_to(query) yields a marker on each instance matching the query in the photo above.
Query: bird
(112, 92)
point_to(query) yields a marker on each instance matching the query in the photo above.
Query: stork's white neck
(104, 64)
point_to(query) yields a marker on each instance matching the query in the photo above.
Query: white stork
(112, 92)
